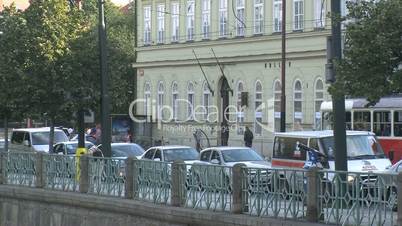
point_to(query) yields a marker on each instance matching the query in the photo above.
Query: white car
(35, 139)
(229, 156)
(224, 158)
(171, 153)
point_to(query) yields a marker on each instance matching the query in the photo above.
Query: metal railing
(329, 197)
(107, 176)
(153, 181)
(60, 172)
(274, 192)
(348, 198)
(20, 168)
(208, 187)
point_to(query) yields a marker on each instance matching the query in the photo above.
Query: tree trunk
(51, 135)
(5, 134)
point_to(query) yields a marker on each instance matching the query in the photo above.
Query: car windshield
(42, 138)
(71, 148)
(358, 147)
(180, 154)
(130, 150)
(241, 155)
(116, 153)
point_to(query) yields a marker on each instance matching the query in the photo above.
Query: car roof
(319, 134)
(73, 142)
(41, 129)
(223, 148)
(122, 144)
(164, 147)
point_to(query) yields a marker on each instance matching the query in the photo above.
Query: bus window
(382, 123)
(285, 148)
(398, 123)
(361, 121)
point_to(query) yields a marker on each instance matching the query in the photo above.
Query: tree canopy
(372, 62)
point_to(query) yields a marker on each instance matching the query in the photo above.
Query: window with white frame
(147, 25)
(318, 99)
(240, 110)
(175, 97)
(206, 18)
(258, 16)
(258, 108)
(240, 14)
(161, 100)
(277, 15)
(297, 104)
(190, 101)
(277, 105)
(190, 10)
(206, 100)
(223, 18)
(319, 13)
(175, 21)
(161, 23)
(298, 15)
(147, 98)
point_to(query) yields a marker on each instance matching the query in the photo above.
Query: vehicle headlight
(351, 178)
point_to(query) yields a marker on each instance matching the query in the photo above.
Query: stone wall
(22, 206)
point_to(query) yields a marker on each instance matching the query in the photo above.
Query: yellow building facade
(245, 36)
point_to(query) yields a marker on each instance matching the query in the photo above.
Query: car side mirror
(26, 143)
(215, 161)
(391, 155)
(157, 159)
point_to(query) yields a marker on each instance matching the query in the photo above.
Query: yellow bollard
(78, 154)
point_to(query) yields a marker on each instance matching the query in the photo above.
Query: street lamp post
(105, 98)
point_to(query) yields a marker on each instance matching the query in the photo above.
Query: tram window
(362, 120)
(382, 123)
(398, 123)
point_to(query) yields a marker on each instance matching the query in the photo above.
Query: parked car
(171, 153)
(127, 150)
(228, 157)
(69, 147)
(35, 139)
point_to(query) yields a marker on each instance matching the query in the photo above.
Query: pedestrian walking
(248, 137)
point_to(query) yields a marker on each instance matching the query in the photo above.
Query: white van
(364, 153)
(34, 139)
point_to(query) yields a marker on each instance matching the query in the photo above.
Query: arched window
(277, 105)
(147, 97)
(258, 110)
(161, 99)
(206, 100)
(240, 110)
(175, 97)
(297, 105)
(190, 101)
(318, 99)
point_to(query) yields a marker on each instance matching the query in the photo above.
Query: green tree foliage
(12, 105)
(372, 63)
(85, 63)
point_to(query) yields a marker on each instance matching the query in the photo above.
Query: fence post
(3, 168)
(129, 185)
(312, 195)
(84, 173)
(40, 177)
(399, 193)
(237, 186)
(178, 169)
